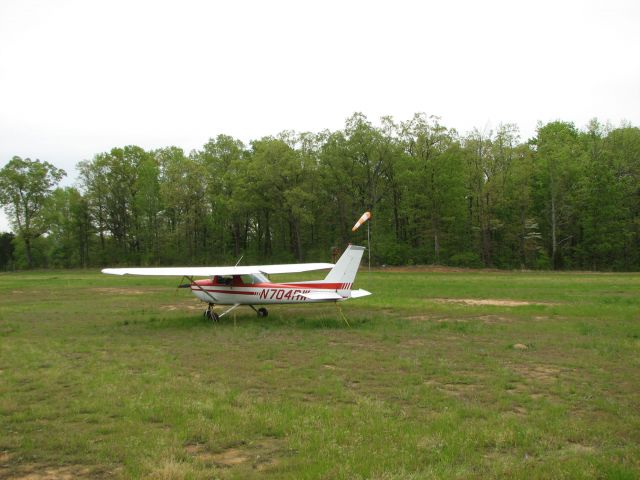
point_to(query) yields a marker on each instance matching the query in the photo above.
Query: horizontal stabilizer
(359, 293)
(322, 296)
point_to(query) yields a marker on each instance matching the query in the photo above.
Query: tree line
(567, 198)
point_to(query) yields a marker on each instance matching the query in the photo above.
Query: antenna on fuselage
(239, 260)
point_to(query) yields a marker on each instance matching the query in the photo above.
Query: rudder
(345, 270)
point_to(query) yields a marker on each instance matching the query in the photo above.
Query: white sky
(80, 77)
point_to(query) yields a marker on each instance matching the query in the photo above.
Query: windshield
(258, 278)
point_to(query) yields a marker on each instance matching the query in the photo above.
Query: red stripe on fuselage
(228, 292)
(322, 286)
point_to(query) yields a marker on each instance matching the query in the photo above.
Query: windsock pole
(369, 244)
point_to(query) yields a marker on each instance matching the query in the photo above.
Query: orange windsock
(365, 216)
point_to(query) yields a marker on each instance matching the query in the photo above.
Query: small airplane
(237, 286)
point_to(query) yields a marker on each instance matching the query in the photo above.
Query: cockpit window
(223, 279)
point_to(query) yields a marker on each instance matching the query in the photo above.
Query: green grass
(106, 376)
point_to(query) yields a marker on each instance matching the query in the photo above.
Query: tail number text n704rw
(282, 294)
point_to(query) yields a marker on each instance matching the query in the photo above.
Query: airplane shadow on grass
(275, 321)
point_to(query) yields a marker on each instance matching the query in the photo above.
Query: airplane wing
(293, 267)
(211, 271)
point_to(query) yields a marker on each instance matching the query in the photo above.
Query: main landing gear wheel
(209, 314)
(263, 312)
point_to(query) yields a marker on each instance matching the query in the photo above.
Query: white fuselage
(211, 291)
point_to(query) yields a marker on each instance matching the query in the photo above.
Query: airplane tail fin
(344, 271)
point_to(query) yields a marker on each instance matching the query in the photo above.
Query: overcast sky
(80, 77)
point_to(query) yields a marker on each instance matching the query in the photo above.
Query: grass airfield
(439, 375)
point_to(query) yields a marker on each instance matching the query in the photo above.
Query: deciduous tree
(25, 185)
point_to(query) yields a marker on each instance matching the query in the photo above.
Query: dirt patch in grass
(415, 342)
(489, 319)
(579, 448)
(519, 411)
(538, 373)
(120, 291)
(261, 455)
(173, 308)
(231, 457)
(38, 471)
(486, 302)
(419, 318)
(495, 319)
(437, 319)
(458, 389)
(226, 458)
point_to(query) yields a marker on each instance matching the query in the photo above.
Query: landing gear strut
(209, 314)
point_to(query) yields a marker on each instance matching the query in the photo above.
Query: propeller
(184, 285)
